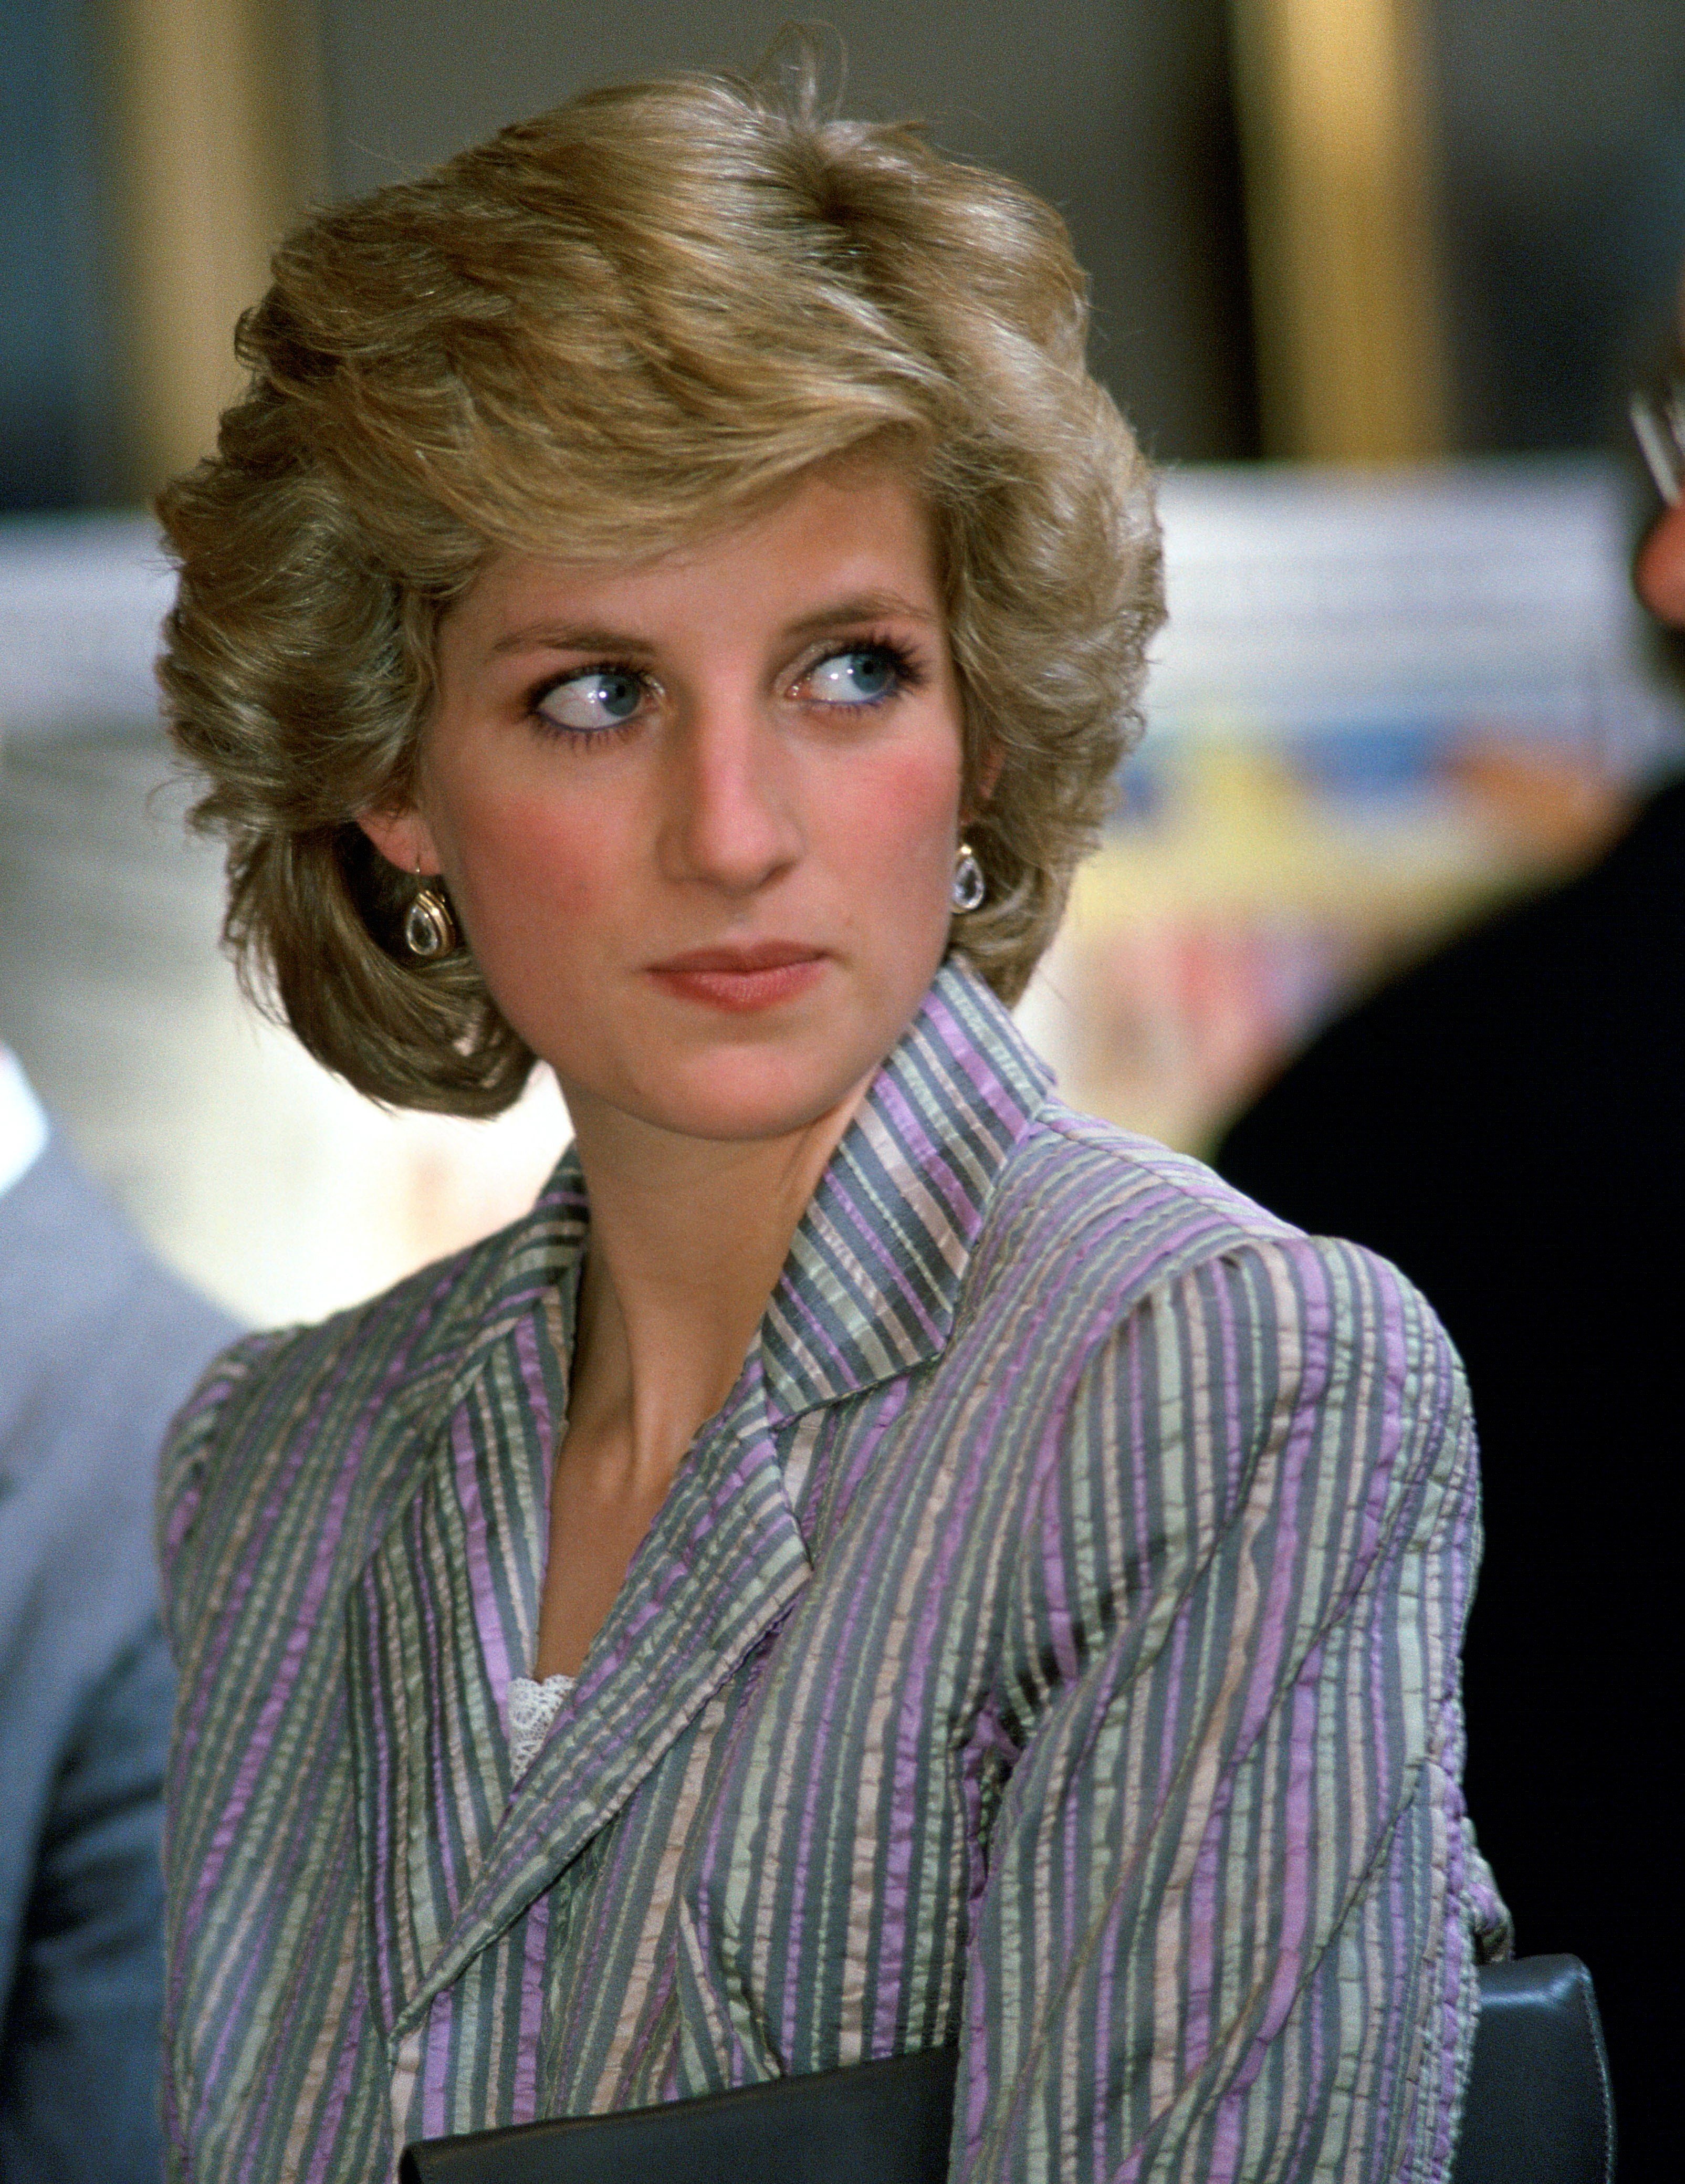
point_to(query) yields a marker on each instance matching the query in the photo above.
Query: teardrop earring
(428, 928)
(970, 887)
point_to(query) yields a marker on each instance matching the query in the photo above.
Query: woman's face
(697, 814)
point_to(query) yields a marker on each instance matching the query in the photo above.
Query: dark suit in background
(1507, 1124)
(98, 1346)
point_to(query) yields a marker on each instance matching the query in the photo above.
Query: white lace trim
(532, 1707)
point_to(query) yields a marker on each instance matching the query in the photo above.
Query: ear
(988, 773)
(403, 838)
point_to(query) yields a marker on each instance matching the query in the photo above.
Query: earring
(428, 928)
(970, 887)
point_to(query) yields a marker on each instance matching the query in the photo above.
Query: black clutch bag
(1538, 2108)
(873, 2123)
(1537, 2111)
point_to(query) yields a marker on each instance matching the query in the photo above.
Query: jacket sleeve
(79, 2061)
(191, 1451)
(1232, 1910)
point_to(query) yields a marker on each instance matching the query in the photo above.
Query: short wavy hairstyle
(609, 331)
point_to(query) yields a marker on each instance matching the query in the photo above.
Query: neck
(688, 1238)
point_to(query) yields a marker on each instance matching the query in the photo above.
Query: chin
(746, 1121)
(747, 1099)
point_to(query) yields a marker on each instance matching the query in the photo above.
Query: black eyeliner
(910, 673)
(559, 731)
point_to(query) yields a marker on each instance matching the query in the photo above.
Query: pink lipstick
(742, 979)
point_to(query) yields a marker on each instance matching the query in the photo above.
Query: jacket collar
(875, 1268)
(878, 1261)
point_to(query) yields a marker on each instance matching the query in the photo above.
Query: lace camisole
(532, 1707)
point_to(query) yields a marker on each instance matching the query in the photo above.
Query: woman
(671, 603)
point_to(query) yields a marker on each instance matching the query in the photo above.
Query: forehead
(843, 532)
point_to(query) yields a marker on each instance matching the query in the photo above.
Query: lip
(737, 980)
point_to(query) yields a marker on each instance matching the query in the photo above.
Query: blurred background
(1371, 277)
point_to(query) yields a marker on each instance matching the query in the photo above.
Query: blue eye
(587, 704)
(858, 676)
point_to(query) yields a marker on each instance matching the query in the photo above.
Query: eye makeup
(906, 672)
(604, 673)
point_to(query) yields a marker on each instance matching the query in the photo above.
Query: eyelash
(583, 738)
(910, 674)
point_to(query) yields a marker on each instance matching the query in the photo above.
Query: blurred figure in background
(1505, 1123)
(98, 1346)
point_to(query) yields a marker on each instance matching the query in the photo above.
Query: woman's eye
(601, 698)
(855, 677)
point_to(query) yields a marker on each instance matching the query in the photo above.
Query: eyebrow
(859, 606)
(836, 613)
(558, 636)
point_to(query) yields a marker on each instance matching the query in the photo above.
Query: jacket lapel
(723, 1561)
(876, 1268)
(444, 1608)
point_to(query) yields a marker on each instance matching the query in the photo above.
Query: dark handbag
(1538, 2108)
(1537, 2111)
(873, 2123)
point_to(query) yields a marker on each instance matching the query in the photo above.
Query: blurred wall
(152, 150)
(1336, 125)
(1561, 162)
(57, 403)
(213, 152)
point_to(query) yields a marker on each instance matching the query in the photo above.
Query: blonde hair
(606, 330)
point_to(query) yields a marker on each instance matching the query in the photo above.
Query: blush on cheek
(524, 855)
(528, 894)
(904, 807)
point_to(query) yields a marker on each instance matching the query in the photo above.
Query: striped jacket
(1051, 1644)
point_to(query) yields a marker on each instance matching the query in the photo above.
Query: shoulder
(1107, 1214)
(100, 1345)
(68, 1261)
(1194, 1327)
(1525, 986)
(1524, 1070)
(1218, 1378)
(284, 1419)
(101, 1341)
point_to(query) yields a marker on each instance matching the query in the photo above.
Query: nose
(730, 818)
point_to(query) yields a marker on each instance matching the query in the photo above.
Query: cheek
(523, 862)
(899, 816)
